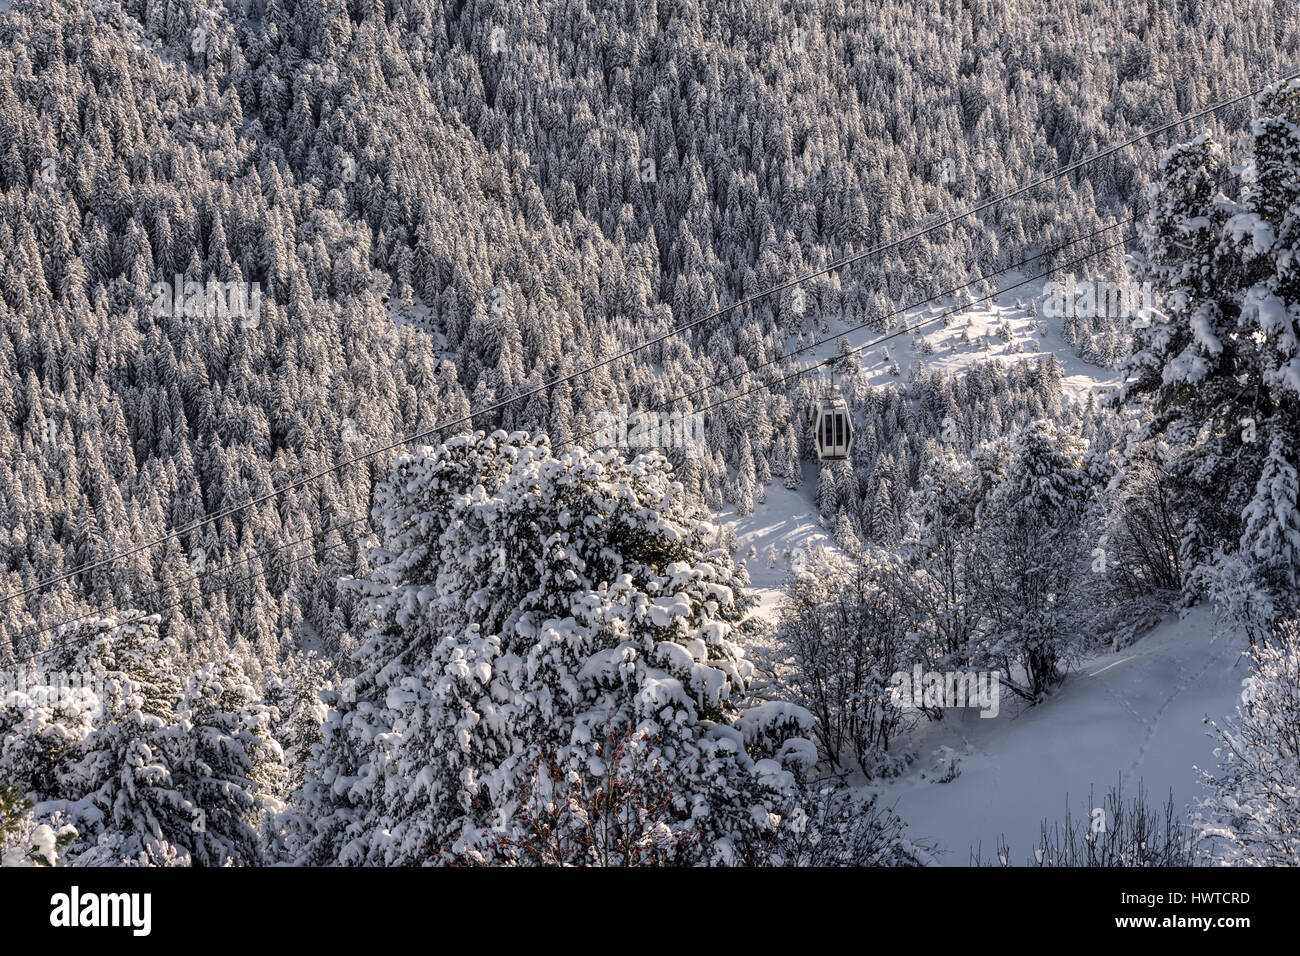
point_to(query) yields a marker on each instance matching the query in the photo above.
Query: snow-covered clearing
(1134, 716)
(981, 323)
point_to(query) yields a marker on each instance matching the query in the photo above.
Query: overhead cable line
(762, 386)
(649, 343)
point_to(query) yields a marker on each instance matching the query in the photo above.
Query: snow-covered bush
(841, 636)
(1116, 833)
(622, 816)
(625, 817)
(1232, 583)
(525, 611)
(836, 826)
(24, 841)
(1252, 815)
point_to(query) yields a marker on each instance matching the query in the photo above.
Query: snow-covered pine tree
(525, 611)
(1030, 555)
(226, 763)
(146, 773)
(1219, 368)
(827, 494)
(115, 785)
(294, 695)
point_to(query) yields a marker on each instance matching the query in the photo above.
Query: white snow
(982, 322)
(786, 521)
(1134, 715)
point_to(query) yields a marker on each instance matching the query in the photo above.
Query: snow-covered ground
(981, 323)
(786, 522)
(1137, 715)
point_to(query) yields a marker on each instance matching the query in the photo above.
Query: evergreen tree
(616, 617)
(1217, 368)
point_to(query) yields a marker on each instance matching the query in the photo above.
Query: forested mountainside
(441, 205)
(320, 546)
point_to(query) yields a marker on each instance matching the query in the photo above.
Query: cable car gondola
(833, 427)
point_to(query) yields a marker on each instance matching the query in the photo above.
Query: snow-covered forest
(409, 447)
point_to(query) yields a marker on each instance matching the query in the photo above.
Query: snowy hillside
(1135, 716)
(971, 333)
(1130, 717)
(404, 402)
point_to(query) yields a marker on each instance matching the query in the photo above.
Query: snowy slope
(981, 323)
(1136, 715)
(785, 522)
